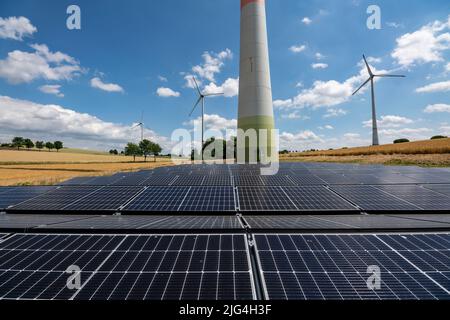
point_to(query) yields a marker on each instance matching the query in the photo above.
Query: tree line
(144, 148)
(20, 142)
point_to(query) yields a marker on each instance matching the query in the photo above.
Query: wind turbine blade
(196, 85)
(361, 86)
(367, 65)
(195, 106)
(390, 76)
(214, 94)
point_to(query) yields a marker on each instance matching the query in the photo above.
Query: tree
(146, 147)
(401, 141)
(40, 145)
(114, 152)
(28, 143)
(17, 142)
(438, 137)
(49, 146)
(58, 145)
(156, 150)
(132, 149)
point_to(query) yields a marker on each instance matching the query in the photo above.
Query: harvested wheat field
(422, 153)
(46, 168)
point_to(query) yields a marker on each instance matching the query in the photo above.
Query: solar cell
(335, 267)
(22, 222)
(250, 180)
(159, 180)
(156, 199)
(277, 180)
(441, 188)
(217, 180)
(335, 179)
(420, 197)
(306, 179)
(16, 195)
(209, 199)
(429, 178)
(192, 180)
(371, 199)
(264, 199)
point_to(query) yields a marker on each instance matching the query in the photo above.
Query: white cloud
(294, 115)
(299, 85)
(435, 87)
(51, 122)
(24, 67)
(409, 133)
(307, 21)
(52, 89)
(212, 64)
(190, 81)
(447, 67)
(298, 49)
(333, 113)
(162, 79)
(214, 122)
(167, 92)
(108, 87)
(389, 122)
(319, 65)
(319, 56)
(329, 127)
(424, 45)
(433, 108)
(394, 25)
(327, 93)
(300, 141)
(16, 28)
(230, 88)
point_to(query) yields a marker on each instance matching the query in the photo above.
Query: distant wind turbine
(201, 98)
(372, 76)
(141, 124)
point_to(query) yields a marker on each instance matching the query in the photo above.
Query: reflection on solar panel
(209, 199)
(335, 267)
(105, 199)
(441, 188)
(420, 197)
(264, 199)
(149, 223)
(372, 199)
(16, 195)
(158, 199)
(307, 179)
(154, 267)
(317, 198)
(56, 199)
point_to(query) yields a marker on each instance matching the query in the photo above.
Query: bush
(401, 141)
(438, 137)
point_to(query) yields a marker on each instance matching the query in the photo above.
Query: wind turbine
(141, 124)
(201, 98)
(372, 76)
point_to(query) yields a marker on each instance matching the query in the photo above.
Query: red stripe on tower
(246, 2)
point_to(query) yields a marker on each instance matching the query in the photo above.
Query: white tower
(255, 90)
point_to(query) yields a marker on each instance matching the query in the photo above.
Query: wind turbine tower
(255, 90)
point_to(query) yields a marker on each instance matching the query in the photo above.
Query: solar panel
(303, 222)
(109, 198)
(195, 180)
(250, 180)
(441, 188)
(264, 199)
(317, 198)
(277, 180)
(22, 222)
(156, 199)
(55, 200)
(335, 267)
(134, 179)
(159, 180)
(217, 180)
(428, 178)
(105, 181)
(138, 223)
(420, 197)
(371, 199)
(306, 179)
(154, 267)
(335, 179)
(209, 199)
(16, 195)
(77, 181)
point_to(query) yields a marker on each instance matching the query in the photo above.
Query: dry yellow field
(46, 168)
(422, 153)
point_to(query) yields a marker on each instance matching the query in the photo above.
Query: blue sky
(89, 86)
